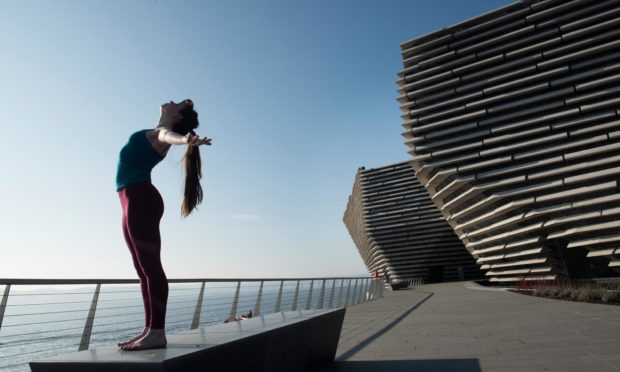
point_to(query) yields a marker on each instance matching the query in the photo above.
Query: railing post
(354, 293)
(373, 291)
(309, 298)
(380, 288)
(233, 309)
(279, 300)
(340, 292)
(346, 301)
(88, 327)
(321, 296)
(295, 298)
(259, 298)
(331, 296)
(366, 296)
(5, 298)
(359, 295)
(198, 310)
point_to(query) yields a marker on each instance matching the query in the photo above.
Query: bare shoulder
(153, 137)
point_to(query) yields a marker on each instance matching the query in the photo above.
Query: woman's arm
(170, 137)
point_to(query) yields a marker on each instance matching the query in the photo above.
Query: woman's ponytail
(192, 195)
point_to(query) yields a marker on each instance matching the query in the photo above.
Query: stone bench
(287, 341)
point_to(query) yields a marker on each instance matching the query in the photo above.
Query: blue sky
(295, 94)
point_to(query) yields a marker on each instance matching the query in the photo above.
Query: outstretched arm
(173, 138)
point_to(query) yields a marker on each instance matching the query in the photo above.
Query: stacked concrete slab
(513, 124)
(397, 228)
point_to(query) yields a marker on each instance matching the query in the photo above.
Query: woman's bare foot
(136, 338)
(154, 338)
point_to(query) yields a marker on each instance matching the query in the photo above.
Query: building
(399, 231)
(512, 121)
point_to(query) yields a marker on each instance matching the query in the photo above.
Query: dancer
(143, 207)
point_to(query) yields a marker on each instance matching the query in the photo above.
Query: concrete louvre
(512, 121)
(396, 227)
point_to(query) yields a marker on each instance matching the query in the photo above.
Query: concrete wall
(395, 226)
(513, 126)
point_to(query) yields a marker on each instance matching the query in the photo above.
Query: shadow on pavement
(450, 365)
(379, 333)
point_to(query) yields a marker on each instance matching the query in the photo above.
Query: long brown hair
(192, 195)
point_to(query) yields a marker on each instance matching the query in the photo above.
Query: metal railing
(414, 281)
(404, 282)
(29, 323)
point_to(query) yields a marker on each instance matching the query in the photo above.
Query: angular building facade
(512, 120)
(399, 231)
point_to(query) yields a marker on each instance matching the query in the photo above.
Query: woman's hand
(196, 140)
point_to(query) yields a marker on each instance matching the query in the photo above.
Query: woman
(143, 207)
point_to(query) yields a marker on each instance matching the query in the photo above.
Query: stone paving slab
(457, 327)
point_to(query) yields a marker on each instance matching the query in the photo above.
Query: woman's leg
(145, 209)
(156, 281)
(141, 275)
(143, 284)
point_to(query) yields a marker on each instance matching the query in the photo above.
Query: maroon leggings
(143, 207)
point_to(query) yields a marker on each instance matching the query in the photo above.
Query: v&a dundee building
(399, 231)
(512, 124)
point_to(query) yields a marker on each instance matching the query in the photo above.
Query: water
(45, 323)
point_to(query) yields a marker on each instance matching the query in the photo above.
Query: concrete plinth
(287, 341)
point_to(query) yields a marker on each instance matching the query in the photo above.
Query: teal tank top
(136, 160)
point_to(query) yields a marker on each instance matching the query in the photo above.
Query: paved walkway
(456, 327)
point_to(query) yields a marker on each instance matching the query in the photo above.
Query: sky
(296, 95)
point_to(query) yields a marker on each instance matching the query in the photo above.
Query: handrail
(137, 281)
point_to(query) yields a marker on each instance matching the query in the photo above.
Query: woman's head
(185, 118)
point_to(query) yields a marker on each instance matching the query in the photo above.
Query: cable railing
(37, 325)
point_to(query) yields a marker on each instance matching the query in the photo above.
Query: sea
(50, 321)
